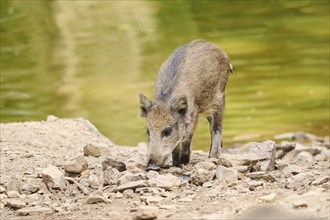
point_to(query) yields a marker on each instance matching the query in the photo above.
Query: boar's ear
(145, 105)
(180, 105)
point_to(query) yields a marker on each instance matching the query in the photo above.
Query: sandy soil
(298, 187)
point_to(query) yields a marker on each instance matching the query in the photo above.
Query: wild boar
(190, 82)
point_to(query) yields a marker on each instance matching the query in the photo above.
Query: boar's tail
(231, 68)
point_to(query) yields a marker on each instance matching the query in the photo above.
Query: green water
(90, 59)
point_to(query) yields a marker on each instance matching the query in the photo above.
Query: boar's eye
(166, 132)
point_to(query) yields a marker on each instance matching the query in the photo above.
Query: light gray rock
(206, 165)
(76, 165)
(320, 180)
(93, 181)
(291, 170)
(95, 197)
(16, 203)
(253, 184)
(146, 213)
(29, 188)
(128, 193)
(261, 175)
(92, 150)
(54, 178)
(226, 174)
(299, 180)
(265, 152)
(223, 161)
(299, 203)
(13, 194)
(132, 185)
(110, 162)
(35, 210)
(151, 200)
(268, 198)
(2, 189)
(304, 157)
(111, 176)
(200, 176)
(166, 182)
(126, 178)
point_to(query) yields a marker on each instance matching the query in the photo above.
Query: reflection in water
(91, 58)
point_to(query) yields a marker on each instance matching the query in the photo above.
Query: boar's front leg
(216, 130)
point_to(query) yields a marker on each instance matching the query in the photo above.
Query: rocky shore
(66, 169)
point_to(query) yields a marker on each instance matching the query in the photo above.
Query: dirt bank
(66, 169)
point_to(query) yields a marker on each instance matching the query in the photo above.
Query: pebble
(224, 162)
(92, 150)
(111, 176)
(29, 188)
(304, 156)
(268, 198)
(265, 152)
(261, 176)
(320, 180)
(95, 197)
(35, 210)
(291, 170)
(128, 193)
(16, 203)
(299, 180)
(227, 174)
(151, 200)
(109, 162)
(166, 182)
(253, 184)
(76, 165)
(206, 165)
(13, 194)
(93, 181)
(53, 176)
(2, 189)
(200, 176)
(300, 203)
(146, 213)
(131, 185)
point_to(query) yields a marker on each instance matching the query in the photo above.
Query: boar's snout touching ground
(190, 82)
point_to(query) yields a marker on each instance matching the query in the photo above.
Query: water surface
(91, 58)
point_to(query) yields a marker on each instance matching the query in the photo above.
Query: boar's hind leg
(215, 129)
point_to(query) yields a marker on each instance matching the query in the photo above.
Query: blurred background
(91, 58)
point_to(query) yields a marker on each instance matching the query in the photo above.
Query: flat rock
(92, 150)
(53, 176)
(206, 165)
(29, 188)
(13, 194)
(95, 197)
(146, 213)
(304, 156)
(110, 162)
(268, 198)
(132, 185)
(166, 182)
(320, 180)
(226, 174)
(76, 165)
(16, 203)
(261, 176)
(111, 176)
(291, 170)
(35, 210)
(200, 176)
(301, 179)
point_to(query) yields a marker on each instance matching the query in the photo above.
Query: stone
(119, 195)
(109, 162)
(206, 165)
(240, 169)
(299, 203)
(226, 174)
(54, 177)
(35, 210)
(111, 176)
(291, 170)
(128, 193)
(299, 180)
(2, 189)
(95, 197)
(126, 178)
(200, 176)
(166, 182)
(92, 150)
(29, 188)
(265, 152)
(146, 213)
(268, 198)
(261, 176)
(15, 203)
(253, 184)
(320, 180)
(304, 157)
(76, 165)
(13, 194)
(132, 185)
(151, 200)
(93, 181)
